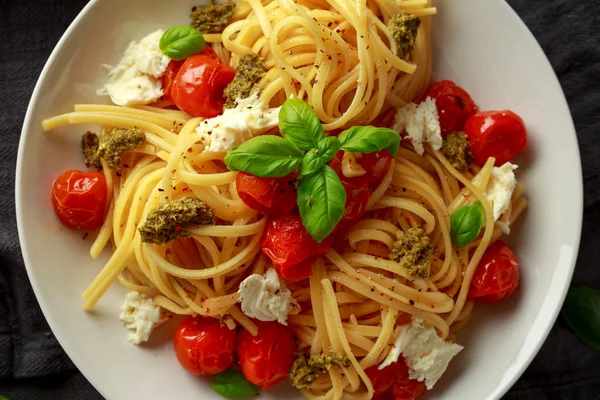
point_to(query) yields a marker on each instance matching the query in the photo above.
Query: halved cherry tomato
(376, 164)
(204, 346)
(276, 196)
(497, 275)
(79, 199)
(266, 359)
(199, 85)
(454, 105)
(498, 134)
(291, 248)
(173, 68)
(393, 382)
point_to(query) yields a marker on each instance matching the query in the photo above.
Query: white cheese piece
(425, 353)
(500, 188)
(136, 79)
(249, 118)
(421, 124)
(140, 315)
(350, 167)
(265, 298)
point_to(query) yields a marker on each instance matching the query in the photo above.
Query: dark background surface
(32, 363)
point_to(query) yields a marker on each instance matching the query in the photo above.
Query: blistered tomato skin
(204, 346)
(497, 275)
(454, 105)
(275, 196)
(173, 68)
(393, 382)
(79, 199)
(498, 134)
(266, 359)
(199, 85)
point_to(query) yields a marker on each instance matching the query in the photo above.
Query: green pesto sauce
(305, 370)
(89, 144)
(404, 27)
(167, 222)
(413, 251)
(248, 73)
(212, 18)
(456, 149)
(118, 141)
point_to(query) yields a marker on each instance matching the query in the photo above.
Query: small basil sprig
(466, 223)
(581, 311)
(321, 195)
(232, 384)
(180, 42)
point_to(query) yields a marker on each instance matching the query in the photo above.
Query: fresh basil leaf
(582, 313)
(312, 162)
(299, 123)
(367, 139)
(232, 384)
(466, 223)
(3, 397)
(328, 147)
(265, 156)
(321, 200)
(180, 42)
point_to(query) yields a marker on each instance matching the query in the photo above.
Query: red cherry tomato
(79, 199)
(498, 134)
(454, 105)
(266, 359)
(275, 196)
(204, 346)
(376, 164)
(173, 68)
(291, 248)
(393, 382)
(497, 275)
(199, 85)
(357, 197)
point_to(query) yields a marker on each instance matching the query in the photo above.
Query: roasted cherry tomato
(199, 85)
(173, 68)
(276, 196)
(376, 164)
(204, 346)
(79, 199)
(393, 382)
(454, 105)
(497, 275)
(291, 248)
(357, 197)
(498, 134)
(266, 359)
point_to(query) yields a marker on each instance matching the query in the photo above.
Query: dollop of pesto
(248, 73)
(118, 141)
(404, 27)
(413, 251)
(305, 370)
(456, 149)
(89, 145)
(212, 18)
(167, 222)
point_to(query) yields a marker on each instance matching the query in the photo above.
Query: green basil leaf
(3, 397)
(582, 313)
(367, 139)
(312, 162)
(180, 42)
(299, 123)
(466, 223)
(266, 156)
(232, 384)
(321, 200)
(328, 147)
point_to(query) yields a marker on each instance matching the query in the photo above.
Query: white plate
(482, 45)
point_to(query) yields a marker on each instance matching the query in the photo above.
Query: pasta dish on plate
(284, 175)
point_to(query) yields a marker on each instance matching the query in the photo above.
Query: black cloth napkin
(32, 363)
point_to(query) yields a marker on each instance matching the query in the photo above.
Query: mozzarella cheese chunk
(425, 353)
(500, 188)
(136, 79)
(140, 315)
(421, 124)
(265, 298)
(350, 167)
(249, 118)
